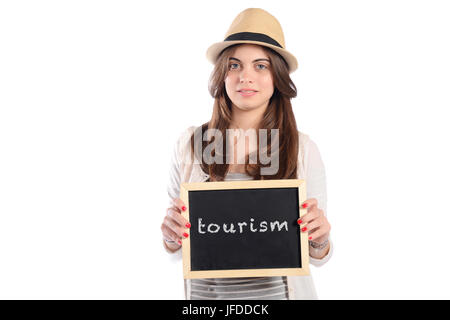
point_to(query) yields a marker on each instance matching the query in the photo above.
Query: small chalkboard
(244, 229)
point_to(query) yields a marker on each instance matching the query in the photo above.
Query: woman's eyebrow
(261, 59)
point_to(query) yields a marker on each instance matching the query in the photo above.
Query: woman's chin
(246, 107)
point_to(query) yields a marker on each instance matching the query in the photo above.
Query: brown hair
(278, 115)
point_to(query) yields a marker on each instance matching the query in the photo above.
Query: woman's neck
(246, 119)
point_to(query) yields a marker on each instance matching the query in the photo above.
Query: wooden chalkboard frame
(185, 188)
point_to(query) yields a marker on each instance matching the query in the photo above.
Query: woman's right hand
(174, 226)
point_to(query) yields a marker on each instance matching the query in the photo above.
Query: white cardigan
(310, 168)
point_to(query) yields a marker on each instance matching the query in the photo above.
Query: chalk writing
(275, 226)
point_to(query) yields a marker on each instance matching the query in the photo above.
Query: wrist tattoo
(317, 245)
(168, 241)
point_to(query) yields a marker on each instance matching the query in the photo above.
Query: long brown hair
(278, 115)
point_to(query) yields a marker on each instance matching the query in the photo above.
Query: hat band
(253, 36)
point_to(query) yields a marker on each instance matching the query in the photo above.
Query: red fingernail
(299, 221)
(310, 238)
(183, 208)
(179, 242)
(185, 235)
(188, 225)
(304, 229)
(304, 205)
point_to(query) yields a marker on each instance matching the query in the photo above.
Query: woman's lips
(247, 93)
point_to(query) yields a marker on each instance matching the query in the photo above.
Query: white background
(93, 95)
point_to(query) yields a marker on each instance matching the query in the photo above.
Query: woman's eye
(258, 66)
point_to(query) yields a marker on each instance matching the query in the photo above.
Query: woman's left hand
(314, 222)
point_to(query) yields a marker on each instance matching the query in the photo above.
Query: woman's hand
(314, 222)
(175, 225)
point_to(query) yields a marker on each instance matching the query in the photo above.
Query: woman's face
(249, 68)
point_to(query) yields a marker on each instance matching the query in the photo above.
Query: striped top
(250, 288)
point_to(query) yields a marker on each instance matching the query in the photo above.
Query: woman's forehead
(249, 52)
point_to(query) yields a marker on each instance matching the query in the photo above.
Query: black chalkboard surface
(244, 228)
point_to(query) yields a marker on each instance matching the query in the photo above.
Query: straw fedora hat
(255, 26)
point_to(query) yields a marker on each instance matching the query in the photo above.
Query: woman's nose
(246, 77)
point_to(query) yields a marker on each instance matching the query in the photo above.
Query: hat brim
(214, 50)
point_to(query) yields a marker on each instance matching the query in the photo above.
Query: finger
(178, 203)
(319, 232)
(178, 218)
(311, 215)
(309, 203)
(179, 231)
(169, 234)
(311, 226)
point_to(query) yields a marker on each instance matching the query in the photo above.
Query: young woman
(252, 90)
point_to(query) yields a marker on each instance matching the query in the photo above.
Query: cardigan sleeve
(173, 185)
(316, 187)
(180, 157)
